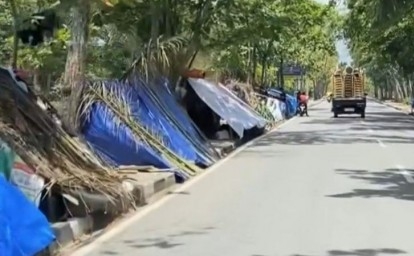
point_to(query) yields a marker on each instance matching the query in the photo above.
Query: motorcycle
(301, 110)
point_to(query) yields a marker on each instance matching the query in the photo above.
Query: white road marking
(404, 172)
(127, 222)
(381, 144)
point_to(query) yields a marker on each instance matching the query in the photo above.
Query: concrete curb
(72, 230)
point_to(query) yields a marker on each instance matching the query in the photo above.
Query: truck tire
(335, 114)
(363, 115)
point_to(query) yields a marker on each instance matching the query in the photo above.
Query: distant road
(319, 186)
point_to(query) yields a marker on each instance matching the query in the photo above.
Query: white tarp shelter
(275, 106)
(224, 103)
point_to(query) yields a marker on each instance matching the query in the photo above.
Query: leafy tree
(245, 39)
(380, 35)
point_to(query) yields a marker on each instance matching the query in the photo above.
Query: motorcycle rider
(303, 100)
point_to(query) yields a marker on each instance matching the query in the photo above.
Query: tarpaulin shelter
(289, 100)
(233, 110)
(153, 107)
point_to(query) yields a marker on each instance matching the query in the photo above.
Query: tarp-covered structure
(276, 107)
(24, 230)
(29, 126)
(238, 114)
(139, 123)
(289, 100)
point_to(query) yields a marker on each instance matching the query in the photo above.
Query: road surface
(318, 186)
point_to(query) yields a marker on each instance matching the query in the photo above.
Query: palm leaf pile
(44, 145)
(246, 93)
(109, 94)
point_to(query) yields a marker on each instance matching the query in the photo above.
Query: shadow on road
(391, 181)
(367, 252)
(389, 127)
(164, 243)
(388, 118)
(361, 252)
(328, 136)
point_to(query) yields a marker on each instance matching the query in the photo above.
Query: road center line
(404, 172)
(381, 144)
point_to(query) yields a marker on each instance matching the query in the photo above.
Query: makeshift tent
(153, 107)
(276, 107)
(237, 114)
(42, 143)
(290, 101)
(276, 93)
(163, 96)
(24, 230)
(291, 105)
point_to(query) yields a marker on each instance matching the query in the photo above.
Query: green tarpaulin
(6, 160)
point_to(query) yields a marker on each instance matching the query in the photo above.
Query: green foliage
(380, 35)
(245, 39)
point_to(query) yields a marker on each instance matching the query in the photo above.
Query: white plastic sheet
(239, 116)
(275, 107)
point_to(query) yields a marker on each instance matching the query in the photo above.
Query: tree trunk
(282, 79)
(315, 89)
(263, 71)
(37, 84)
(76, 60)
(410, 87)
(254, 65)
(13, 9)
(154, 22)
(249, 64)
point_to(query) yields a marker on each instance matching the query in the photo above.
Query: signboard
(293, 70)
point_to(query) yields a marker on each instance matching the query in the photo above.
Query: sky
(341, 47)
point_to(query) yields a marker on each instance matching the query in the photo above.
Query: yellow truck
(348, 92)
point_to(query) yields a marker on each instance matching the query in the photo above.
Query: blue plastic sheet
(290, 101)
(176, 116)
(24, 230)
(167, 98)
(291, 105)
(149, 114)
(113, 140)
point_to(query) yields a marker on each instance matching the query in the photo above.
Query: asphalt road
(319, 186)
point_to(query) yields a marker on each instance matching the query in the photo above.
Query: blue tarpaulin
(175, 139)
(24, 230)
(291, 105)
(115, 141)
(184, 121)
(290, 100)
(178, 117)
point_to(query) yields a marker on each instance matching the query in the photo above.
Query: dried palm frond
(103, 92)
(159, 56)
(245, 92)
(43, 144)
